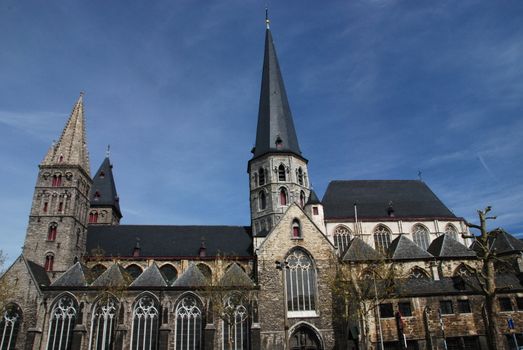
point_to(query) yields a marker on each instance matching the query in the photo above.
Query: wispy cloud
(42, 125)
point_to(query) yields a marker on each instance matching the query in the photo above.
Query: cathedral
(374, 264)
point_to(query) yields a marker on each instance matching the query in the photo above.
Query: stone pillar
(78, 335)
(32, 335)
(163, 341)
(255, 337)
(208, 336)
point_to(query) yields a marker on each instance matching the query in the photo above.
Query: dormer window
(61, 158)
(96, 195)
(102, 174)
(281, 173)
(279, 142)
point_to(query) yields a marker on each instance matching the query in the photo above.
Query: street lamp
(282, 266)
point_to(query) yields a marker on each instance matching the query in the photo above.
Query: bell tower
(56, 231)
(278, 173)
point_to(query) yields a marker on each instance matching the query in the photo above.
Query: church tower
(277, 171)
(105, 204)
(57, 226)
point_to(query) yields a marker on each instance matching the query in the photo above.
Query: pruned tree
(485, 274)
(358, 289)
(231, 294)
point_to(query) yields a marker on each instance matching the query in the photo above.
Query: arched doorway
(304, 338)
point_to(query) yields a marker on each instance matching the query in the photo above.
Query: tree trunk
(491, 307)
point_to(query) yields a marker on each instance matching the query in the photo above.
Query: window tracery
(146, 315)
(301, 282)
(62, 322)
(420, 236)
(102, 324)
(9, 326)
(281, 173)
(418, 273)
(451, 231)
(382, 238)
(188, 324)
(236, 325)
(342, 236)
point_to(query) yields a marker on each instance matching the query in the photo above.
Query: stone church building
(86, 281)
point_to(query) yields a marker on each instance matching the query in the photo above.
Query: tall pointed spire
(71, 149)
(275, 131)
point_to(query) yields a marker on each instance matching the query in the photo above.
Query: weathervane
(267, 21)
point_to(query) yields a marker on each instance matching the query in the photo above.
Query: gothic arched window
(103, 323)
(169, 273)
(146, 315)
(52, 231)
(261, 177)
(420, 236)
(302, 199)
(49, 262)
(300, 276)
(61, 323)
(382, 238)
(56, 181)
(188, 324)
(205, 270)
(296, 229)
(93, 217)
(9, 326)
(300, 176)
(451, 231)
(281, 173)
(134, 270)
(283, 196)
(418, 273)
(97, 270)
(262, 198)
(342, 236)
(236, 324)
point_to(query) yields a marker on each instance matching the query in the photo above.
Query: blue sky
(378, 90)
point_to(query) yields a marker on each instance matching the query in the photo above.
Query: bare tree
(485, 274)
(6, 290)
(358, 290)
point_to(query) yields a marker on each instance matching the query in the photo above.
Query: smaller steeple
(71, 148)
(103, 195)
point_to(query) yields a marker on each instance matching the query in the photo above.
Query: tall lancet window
(262, 198)
(302, 199)
(420, 235)
(300, 176)
(236, 324)
(188, 324)
(300, 277)
(146, 314)
(9, 326)
(283, 196)
(103, 322)
(261, 177)
(61, 323)
(281, 173)
(381, 238)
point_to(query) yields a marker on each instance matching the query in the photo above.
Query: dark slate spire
(313, 198)
(103, 192)
(275, 131)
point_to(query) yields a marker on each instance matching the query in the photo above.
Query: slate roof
(447, 247)
(402, 248)
(192, 277)
(103, 191)
(151, 277)
(410, 199)
(274, 116)
(358, 250)
(236, 277)
(39, 273)
(114, 276)
(313, 198)
(170, 241)
(506, 243)
(77, 275)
